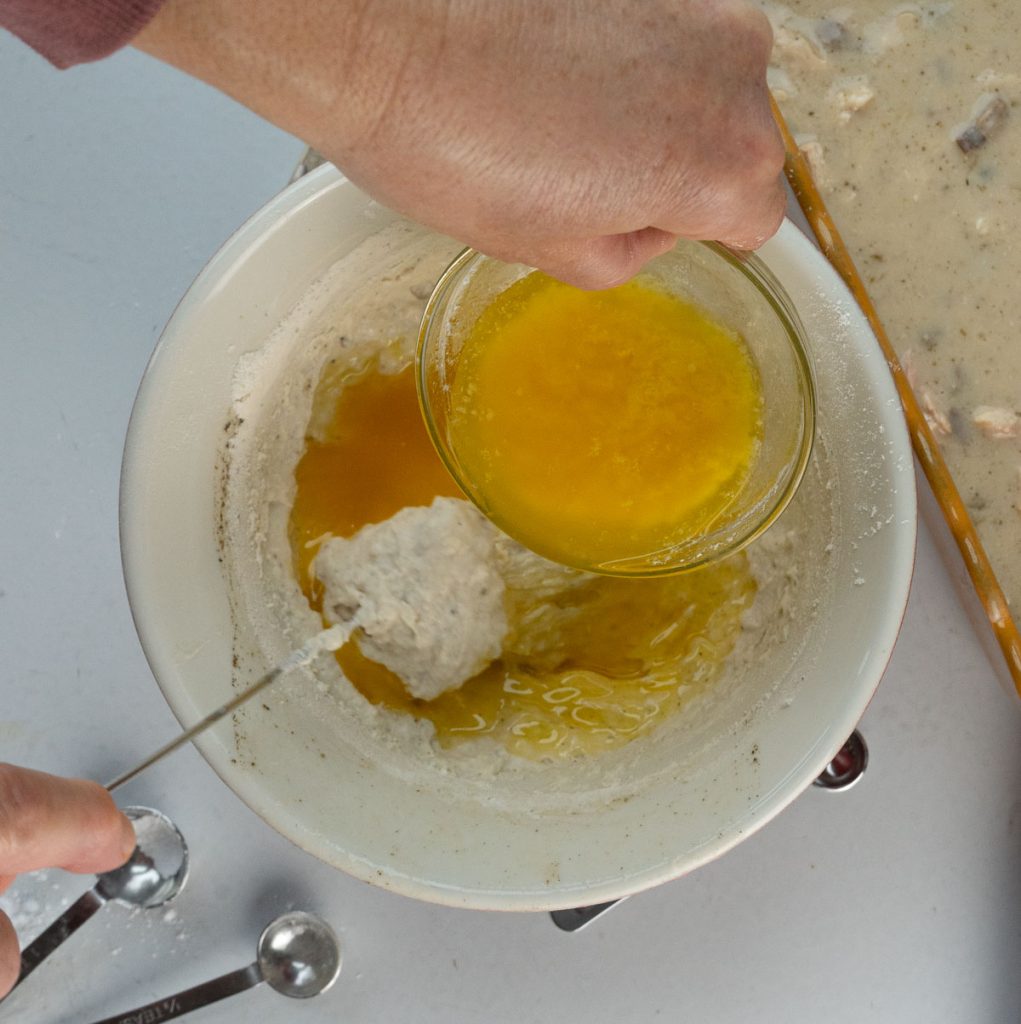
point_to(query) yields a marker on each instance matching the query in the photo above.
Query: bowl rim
(755, 271)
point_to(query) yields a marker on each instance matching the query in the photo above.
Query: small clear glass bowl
(738, 291)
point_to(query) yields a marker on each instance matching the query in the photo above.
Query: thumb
(46, 821)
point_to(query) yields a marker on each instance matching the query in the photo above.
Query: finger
(603, 262)
(736, 194)
(46, 821)
(10, 959)
(5, 883)
(762, 223)
(751, 204)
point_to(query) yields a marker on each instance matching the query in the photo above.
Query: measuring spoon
(153, 875)
(298, 955)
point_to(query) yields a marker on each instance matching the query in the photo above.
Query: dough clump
(424, 592)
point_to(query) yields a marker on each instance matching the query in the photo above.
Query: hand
(45, 822)
(581, 138)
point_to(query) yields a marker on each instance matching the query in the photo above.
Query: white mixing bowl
(554, 836)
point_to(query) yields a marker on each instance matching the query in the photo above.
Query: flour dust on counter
(909, 116)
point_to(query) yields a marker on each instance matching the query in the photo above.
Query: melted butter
(617, 656)
(367, 456)
(598, 426)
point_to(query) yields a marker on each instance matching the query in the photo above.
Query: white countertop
(896, 901)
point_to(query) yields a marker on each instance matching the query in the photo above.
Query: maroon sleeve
(70, 32)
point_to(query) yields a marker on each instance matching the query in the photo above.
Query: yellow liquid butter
(623, 654)
(598, 426)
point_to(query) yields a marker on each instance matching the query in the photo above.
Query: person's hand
(45, 822)
(580, 138)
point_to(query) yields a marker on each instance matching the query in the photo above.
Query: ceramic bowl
(559, 836)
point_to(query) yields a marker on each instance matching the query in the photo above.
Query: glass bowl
(738, 292)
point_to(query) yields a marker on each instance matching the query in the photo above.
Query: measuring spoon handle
(191, 998)
(64, 927)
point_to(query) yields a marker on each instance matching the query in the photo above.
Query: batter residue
(908, 113)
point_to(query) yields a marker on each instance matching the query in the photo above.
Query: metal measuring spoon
(298, 956)
(153, 875)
